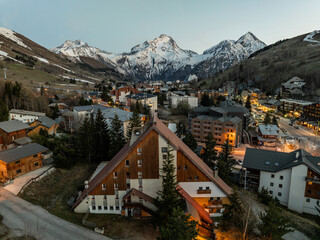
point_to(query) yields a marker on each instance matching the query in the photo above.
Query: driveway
(33, 220)
(15, 185)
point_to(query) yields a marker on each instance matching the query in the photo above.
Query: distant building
(221, 128)
(293, 107)
(11, 131)
(82, 112)
(20, 160)
(268, 135)
(119, 95)
(146, 99)
(293, 178)
(312, 112)
(293, 88)
(24, 116)
(174, 100)
(44, 123)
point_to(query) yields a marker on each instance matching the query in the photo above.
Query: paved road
(35, 221)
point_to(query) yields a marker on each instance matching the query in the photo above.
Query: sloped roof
(272, 161)
(20, 152)
(13, 125)
(202, 212)
(138, 193)
(25, 112)
(139, 96)
(46, 121)
(269, 129)
(89, 108)
(177, 143)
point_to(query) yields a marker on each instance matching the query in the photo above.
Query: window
(281, 177)
(105, 207)
(36, 164)
(104, 186)
(189, 178)
(117, 207)
(271, 192)
(318, 202)
(178, 167)
(207, 188)
(211, 199)
(36, 155)
(111, 208)
(185, 167)
(272, 175)
(164, 149)
(99, 208)
(115, 174)
(200, 188)
(279, 194)
(116, 185)
(280, 185)
(196, 178)
(93, 207)
(164, 156)
(139, 151)
(139, 174)
(308, 200)
(309, 191)
(271, 184)
(218, 198)
(123, 208)
(128, 185)
(139, 163)
(19, 171)
(128, 174)
(127, 163)
(17, 162)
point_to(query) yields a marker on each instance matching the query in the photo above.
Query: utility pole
(5, 73)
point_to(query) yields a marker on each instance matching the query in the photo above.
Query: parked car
(296, 127)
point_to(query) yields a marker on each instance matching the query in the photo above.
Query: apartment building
(24, 116)
(174, 100)
(130, 182)
(293, 107)
(293, 88)
(293, 178)
(222, 128)
(146, 99)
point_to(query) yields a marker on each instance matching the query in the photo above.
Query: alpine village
(160, 142)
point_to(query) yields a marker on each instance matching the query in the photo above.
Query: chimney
(215, 172)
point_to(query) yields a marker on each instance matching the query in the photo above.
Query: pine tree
(101, 138)
(168, 197)
(190, 141)
(267, 119)
(233, 214)
(181, 129)
(225, 162)
(85, 139)
(135, 121)
(209, 156)
(274, 121)
(55, 112)
(4, 112)
(117, 140)
(179, 226)
(273, 225)
(206, 101)
(248, 103)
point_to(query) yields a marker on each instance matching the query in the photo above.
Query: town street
(33, 220)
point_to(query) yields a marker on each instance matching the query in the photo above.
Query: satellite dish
(86, 182)
(86, 186)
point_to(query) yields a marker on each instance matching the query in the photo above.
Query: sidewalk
(15, 185)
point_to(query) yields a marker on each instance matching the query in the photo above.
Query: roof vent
(276, 164)
(267, 163)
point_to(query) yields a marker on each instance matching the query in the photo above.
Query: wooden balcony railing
(204, 191)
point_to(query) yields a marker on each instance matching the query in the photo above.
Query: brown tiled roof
(166, 133)
(138, 193)
(202, 212)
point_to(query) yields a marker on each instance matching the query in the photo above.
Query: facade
(119, 95)
(11, 131)
(44, 123)
(268, 135)
(174, 100)
(82, 112)
(312, 112)
(146, 99)
(221, 128)
(24, 116)
(293, 88)
(129, 183)
(292, 177)
(20, 160)
(293, 106)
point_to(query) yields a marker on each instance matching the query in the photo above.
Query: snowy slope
(11, 35)
(309, 37)
(162, 58)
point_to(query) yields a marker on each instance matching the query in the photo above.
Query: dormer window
(139, 151)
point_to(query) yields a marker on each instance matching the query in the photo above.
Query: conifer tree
(117, 140)
(181, 129)
(225, 162)
(190, 141)
(273, 225)
(248, 103)
(209, 156)
(267, 119)
(135, 121)
(101, 138)
(86, 140)
(274, 121)
(4, 112)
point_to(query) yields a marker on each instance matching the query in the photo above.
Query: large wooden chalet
(128, 184)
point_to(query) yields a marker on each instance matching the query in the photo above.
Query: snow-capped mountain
(162, 58)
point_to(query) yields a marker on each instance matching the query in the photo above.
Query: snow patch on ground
(309, 37)
(11, 35)
(66, 69)
(3, 53)
(78, 79)
(42, 59)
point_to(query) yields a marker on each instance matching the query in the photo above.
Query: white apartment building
(24, 116)
(174, 100)
(293, 178)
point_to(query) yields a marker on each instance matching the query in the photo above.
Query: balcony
(313, 180)
(204, 191)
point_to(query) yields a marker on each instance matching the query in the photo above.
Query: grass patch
(53, 192)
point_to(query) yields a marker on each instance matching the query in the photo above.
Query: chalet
(129, 183)
(20, 160)
(293, 178)
(268, 135)
(11, 131)
(24, 116)
(44, 123)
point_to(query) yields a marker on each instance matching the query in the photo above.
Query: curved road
(35, 221)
